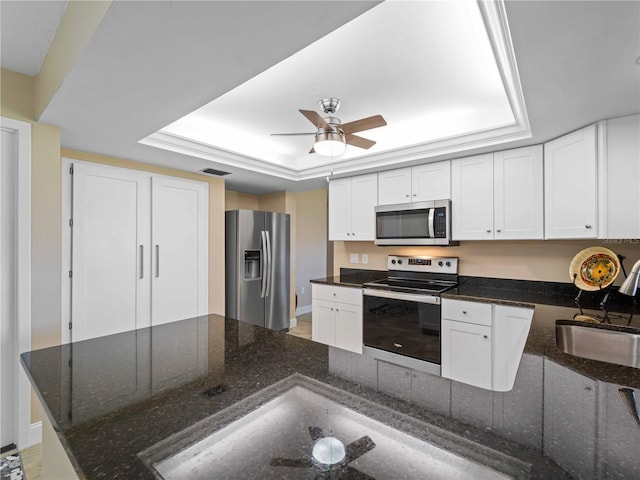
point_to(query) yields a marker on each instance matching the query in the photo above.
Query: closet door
(110, 257)
(180, 243)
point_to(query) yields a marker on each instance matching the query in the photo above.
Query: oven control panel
(423, 264)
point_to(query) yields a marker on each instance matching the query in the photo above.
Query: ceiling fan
(332, 136)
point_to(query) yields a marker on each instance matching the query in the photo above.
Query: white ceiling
(151, 63)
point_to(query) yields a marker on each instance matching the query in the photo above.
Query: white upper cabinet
(431, 181)
(394, 186)
(472, 198)
(518, 194)
(352, 204)
(570, 189)
(498, 195)
(619, 177)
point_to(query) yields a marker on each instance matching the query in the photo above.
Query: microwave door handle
(432, 215)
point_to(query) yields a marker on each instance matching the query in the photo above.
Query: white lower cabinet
(482, 343)
(337, 317)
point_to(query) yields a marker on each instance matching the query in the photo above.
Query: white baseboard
(303, 310)
(35, 433)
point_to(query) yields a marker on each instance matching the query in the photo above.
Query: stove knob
(393, 262)
(448, 264)
(399, 262)
(440, 263)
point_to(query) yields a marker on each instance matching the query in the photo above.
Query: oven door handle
(410, 297)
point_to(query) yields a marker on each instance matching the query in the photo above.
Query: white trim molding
(22, 339)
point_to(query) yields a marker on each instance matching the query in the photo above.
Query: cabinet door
(323, 326)
(348, 327)
(466, 353)
(180, 244)
(472, 197)
(340, 209)
(394, 186)
(570, 190)
(518, 194)
(619, 177)
(364, 198)
(111, 251)
(431, 181)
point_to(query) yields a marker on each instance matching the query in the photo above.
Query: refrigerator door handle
(269, 265)
(263, 264)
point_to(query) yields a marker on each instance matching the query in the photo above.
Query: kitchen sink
(301, 428)
(599, 341)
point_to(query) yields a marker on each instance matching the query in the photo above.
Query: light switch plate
(354, 258)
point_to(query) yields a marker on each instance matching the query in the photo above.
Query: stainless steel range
(401, 313)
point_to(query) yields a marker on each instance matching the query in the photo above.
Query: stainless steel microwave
(419, 223)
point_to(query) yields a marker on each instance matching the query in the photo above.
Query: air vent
(213, 171)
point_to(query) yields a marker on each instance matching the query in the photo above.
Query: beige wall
(311, 232)
(543, 260)
(240, 201)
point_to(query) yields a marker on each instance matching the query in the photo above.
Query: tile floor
(303, 329)
(32, 456)
(31, 461)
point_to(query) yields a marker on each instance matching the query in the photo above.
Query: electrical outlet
(301, 290)
(365, 258)
(354, 258)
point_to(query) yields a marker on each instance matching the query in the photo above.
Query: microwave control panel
(440, 223)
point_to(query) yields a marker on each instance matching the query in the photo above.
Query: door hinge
(70, 274)
(71, 222)
(71, 170)
(70, 325)
(70, 363)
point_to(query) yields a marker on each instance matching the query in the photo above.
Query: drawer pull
(464, 312)
(397, 345)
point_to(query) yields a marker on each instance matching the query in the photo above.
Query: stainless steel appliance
(257, 268)
(401, 313)
(419, 223)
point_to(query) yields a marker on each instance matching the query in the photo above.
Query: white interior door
(180, 242)
(8, 356)
(110, 251)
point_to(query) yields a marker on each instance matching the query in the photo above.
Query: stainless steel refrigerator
(257, 268)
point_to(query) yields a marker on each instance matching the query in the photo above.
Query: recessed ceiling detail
(443, 75)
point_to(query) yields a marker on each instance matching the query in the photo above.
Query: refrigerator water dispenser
(251, 264)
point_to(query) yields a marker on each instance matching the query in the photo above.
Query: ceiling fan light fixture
(330, 144)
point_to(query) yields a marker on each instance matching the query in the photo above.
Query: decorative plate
(594, 268)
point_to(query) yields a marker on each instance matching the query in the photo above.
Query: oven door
(402, 323)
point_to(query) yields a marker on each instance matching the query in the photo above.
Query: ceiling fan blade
(291, 134)
(357, 448)
(291, 462)
(363, 124)
(316, 433)
(316, 119)
(357, 141)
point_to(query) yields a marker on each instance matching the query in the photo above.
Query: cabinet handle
(141, 262)
(353, 234)
(157, 261)
(498, 230)
(415, 194)
(488, 230)
(464, 312)
(337, 310)
(407, 195)
(587, 226)
(485, 336)
(348, 233)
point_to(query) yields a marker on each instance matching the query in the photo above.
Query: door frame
(25, 434)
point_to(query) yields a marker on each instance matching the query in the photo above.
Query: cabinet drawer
(352, 296)
(469, 312)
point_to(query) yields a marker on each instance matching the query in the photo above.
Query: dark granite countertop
(353, 278)
(111, 398)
